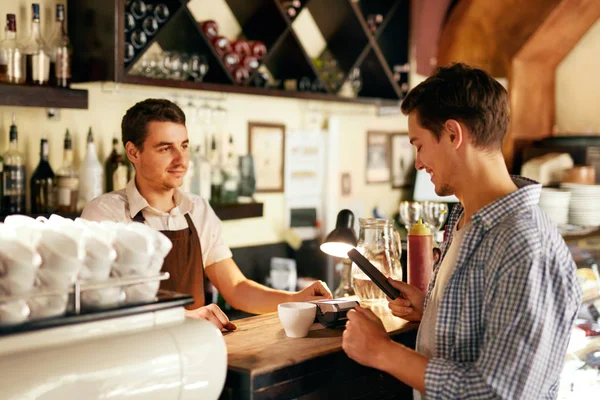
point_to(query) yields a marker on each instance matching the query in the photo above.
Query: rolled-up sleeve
(527, 323)
(214, 248)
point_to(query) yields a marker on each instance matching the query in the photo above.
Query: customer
(156, 142)
(497, 317)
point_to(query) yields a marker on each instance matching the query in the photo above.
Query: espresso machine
(149, 351)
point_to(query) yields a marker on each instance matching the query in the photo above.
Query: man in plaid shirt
(497, 316)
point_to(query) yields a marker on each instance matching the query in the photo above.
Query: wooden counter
(263, 363)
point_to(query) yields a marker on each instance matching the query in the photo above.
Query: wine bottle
(13, 200)
(60, 51)
(116, 170)
(67, 181)
(42, 186)
(12, 58)
(91, 173)
(37, 58)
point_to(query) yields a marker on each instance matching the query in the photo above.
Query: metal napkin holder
(83, 285)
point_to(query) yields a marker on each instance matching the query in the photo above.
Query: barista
(156, 142)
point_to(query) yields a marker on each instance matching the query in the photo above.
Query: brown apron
(184, 262)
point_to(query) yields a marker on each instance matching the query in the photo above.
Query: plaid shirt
(506, 315)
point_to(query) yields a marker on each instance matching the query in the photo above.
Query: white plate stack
(555, 202)
(584, 209)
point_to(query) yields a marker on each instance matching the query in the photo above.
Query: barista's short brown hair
(468, 95)
(136, 119)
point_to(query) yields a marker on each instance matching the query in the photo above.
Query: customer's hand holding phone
(409, 305)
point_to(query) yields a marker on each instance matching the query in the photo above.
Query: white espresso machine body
(155, 355)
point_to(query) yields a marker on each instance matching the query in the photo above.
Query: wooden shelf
(224, 212)
(238, 211)
(225, 88)
(42, 96)
(99, 43)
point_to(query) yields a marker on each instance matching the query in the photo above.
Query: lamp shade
(342, 239)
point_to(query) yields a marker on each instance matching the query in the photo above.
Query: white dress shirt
(124, 204)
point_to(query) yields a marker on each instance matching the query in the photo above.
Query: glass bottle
(116, 170)
(232, 176)
(91, 174)
(216, 175)
(419, 256)
(12, 58)
(42, 186)
(60, 51)
(380, 244)
(13, 200)
(201, 177)
(37, 57)
(247, 176)
(67, 181)
(1, 183)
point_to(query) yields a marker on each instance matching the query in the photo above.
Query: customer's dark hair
(468, 95)
(136, 119)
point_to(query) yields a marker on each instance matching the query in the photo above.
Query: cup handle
(42, 219)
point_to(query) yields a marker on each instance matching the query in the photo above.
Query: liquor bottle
(201, 177)
(232, 176)
(67, 181)
(37, 57)
(13, 200)
(216, 174)
(43, 181)
(116, 170)
(91, 174)
(12, 58)
(1, 183)
(60, 51)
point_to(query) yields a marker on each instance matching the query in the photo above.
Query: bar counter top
(263, 363)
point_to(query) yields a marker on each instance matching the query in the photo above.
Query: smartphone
(372, 272)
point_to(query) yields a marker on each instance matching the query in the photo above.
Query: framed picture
(266, 143)
(402, 161)
(378, 157)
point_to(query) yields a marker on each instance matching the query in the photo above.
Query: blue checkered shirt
(506, 315)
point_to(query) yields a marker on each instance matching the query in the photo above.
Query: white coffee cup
(296, 318)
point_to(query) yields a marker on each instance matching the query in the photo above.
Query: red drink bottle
(420, 255)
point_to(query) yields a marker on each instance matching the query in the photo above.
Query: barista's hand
(365, 339)
(410, 304)
(317, 291)
(212, 313)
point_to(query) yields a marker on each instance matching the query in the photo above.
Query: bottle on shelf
(91, 174)
(116, 170)
(1, 183)
(186, 184)
(13, 200)
(201, 178)
(216, 174)
(12, 58)
(37, 56)
(43, 184)
(67, 181)
(232, 176)
(60, 51)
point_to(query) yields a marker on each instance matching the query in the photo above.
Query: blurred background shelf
(42, 96)
(224, 212)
